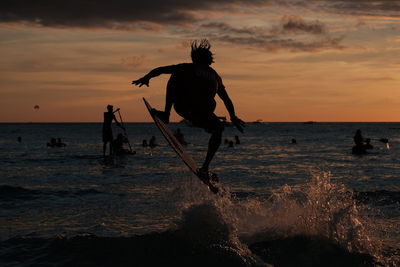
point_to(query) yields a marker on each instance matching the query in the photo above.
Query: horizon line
(249, 122)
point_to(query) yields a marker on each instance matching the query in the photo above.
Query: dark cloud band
(283, 36)
(295, 24)
(104, 13)
(120, 13)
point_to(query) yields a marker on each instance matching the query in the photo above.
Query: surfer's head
(110, 108)
(201, 53)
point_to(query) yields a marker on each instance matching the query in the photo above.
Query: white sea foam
(319, 208)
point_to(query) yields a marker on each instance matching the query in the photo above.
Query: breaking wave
(319, 224)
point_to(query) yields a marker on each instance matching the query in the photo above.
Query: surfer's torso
(194, 87)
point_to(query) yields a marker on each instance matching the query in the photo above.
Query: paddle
(123, 127)
(383, 140)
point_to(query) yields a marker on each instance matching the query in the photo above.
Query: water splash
(319, 208)
(331, 210)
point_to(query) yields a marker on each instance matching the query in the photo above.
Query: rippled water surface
(313, 188)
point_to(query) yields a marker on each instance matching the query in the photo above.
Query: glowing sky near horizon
(320, 60)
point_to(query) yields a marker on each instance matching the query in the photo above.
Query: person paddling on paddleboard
(191, 89)
(107, 129)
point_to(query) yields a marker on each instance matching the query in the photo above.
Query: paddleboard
(178, 148)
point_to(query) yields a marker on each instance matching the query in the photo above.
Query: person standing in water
(191, 89)
(107, 128)
(359, 147)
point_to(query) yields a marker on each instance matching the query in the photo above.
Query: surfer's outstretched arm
(154, 73)
(223, 94)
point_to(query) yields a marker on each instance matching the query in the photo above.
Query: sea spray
(330, 210)
(320, 208)
(205, 226)
(204, 219)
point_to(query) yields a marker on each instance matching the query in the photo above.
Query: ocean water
(307, 204)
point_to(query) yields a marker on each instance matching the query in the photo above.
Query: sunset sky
(286, 60)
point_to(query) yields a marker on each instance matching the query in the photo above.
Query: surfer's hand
(238, 123)
(142, 81)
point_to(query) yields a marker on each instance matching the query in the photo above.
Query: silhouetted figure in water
(179, 136)
(293, 141)
(107, 128)
(191, 90)
(19, 139)
(359, 147)
(60, 143)
(230, 143)
(368, 144)
(152, 142)
(52, 143)
(358, 138)
(118, 146)
(237, 141)
(226, 141)
(144, 143)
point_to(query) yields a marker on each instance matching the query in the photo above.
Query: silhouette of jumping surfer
(191, 89)
(107, 129)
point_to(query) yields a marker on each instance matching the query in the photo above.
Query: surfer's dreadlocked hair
(201, 52)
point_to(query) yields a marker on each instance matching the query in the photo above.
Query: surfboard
(177, 147)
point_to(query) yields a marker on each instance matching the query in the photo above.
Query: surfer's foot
(208, 178)
(213, 177)
(203, 174)
(206, 175)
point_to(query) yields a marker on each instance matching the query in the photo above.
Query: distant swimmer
(118, 146)
(144, 143)
(59, 143)
(368, 144)
(55, 143)
(358, 138)
(19, 139)
(230, 143)
(191, 89)
(237, 140)
(293, 141)
(359, 147)
(52, 143)
(107, 128)
(152, 142)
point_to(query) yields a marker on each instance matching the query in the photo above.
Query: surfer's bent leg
(211, 124)
(213, 145)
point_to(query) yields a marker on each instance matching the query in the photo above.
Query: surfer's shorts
(209, 122)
